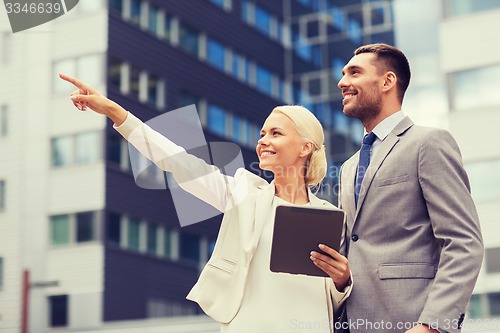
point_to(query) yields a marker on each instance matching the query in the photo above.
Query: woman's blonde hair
(310, 130)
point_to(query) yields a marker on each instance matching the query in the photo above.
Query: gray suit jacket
(415, 246)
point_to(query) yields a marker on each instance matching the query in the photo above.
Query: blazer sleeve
(455, 224)
(193, 174)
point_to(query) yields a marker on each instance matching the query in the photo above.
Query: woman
(236, 286)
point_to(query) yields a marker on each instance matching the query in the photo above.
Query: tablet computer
(297, 232)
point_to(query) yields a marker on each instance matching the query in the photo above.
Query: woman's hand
(335, 265)
(86, 96)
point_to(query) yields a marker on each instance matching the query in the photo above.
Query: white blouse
(279, 302)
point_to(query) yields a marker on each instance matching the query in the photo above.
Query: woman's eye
(276, 133)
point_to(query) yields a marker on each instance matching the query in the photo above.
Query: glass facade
(474, 89)
(485, 180)
(465, 7)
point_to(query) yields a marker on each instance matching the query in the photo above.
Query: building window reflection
(473, 89)
(485, 180)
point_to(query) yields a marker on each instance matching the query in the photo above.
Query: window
(155, 91)
(62, 151)
(224, 4)
(4, 121)
(217, 119)
(463, 7)
(87, 68)
(167, 26)
(263, 21)
(492, 257)
(190, 247)
(188, 38)
(135, 11)
(167, 243)
(484, 180)
(247, 11)
(338, 18)
(264, 81)
(116, 6)
(216, 53)
(153, 15)
(134, 234)
(77, 149)
(473, 89)
(113, 228)
(2, 195)
(58, 311)
(59, 226)
(115, 75)
(134, 81)
(302, 47)
(86, 148)
(337, 67)
(85, 227)
(71, 228)
(355, 31)
(152, 240)
(117, 148)
(67, 66)
(494, 302)
(236, 128)
(241, 67)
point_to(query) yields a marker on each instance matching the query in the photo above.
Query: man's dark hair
(393, 60)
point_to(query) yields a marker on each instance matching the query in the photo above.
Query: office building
(95, 250)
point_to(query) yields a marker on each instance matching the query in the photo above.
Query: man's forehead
(362, 60)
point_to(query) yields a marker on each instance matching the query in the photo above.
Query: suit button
(355, 238)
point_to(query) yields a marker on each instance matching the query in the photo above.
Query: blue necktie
(364, 161)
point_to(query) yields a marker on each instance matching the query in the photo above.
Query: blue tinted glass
(153, 19)
(216, 54)
(188, 39)
(262, 20)
(116, 5)
(219, 3)
(264, 80)
(463, 7)
(337, 18)
(474, 88)
(135, 11)
(217, 119)
(484, 180)
(244, 11)
(235, 67)
(317, 56)
(337, 66)
(355, 31)
(303, 48)
(236, 129)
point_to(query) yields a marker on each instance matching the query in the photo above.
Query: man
(413, 238)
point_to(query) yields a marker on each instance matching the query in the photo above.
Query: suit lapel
(383, 151)
(263, 204)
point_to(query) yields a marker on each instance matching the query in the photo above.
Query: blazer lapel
(384, 150)
(263, 204)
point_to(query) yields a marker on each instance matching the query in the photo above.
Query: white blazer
(244, 199)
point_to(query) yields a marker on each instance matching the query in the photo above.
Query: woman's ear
(390, 80)
(307, 149)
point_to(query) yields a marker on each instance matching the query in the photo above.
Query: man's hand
(335, 265)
